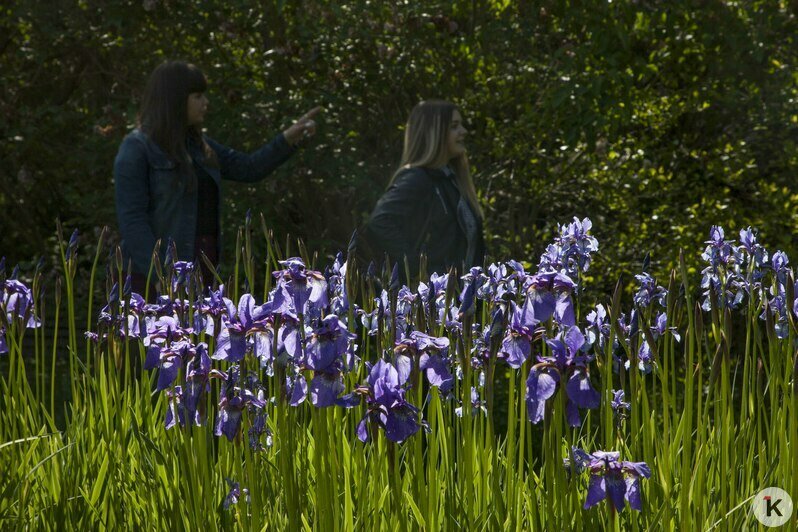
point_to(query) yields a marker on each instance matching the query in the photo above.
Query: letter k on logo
(772, 507)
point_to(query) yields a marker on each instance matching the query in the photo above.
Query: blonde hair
(426, 137)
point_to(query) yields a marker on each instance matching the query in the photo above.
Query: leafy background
(654, 118)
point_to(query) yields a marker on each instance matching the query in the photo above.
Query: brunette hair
(425, 144)
(163, 114)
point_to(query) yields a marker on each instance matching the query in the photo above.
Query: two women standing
(168, 181)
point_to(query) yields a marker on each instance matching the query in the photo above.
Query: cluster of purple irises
(301, 335)
(734, 271)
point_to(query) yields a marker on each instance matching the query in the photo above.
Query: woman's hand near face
(303, 128)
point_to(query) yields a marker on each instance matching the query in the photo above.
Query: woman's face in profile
(455, 140)
(197, 105)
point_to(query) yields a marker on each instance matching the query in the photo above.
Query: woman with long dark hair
(430, 206)
(167, 174)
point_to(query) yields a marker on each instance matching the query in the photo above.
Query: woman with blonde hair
(430, 206)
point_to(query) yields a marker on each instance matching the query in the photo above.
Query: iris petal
(516, 349)
(541, 383)
(596, 491)
(325, 389)
(400, 424)
(633, 493)
(581, 391)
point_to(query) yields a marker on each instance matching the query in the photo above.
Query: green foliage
(715, 421)
(657, 119)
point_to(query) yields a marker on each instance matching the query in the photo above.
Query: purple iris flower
(720, 251)
(630, 329)
(234, 494)
(722, 276)
(497, 283)
(164, 330)
(381, 312)
(434, 295)
(181, 271)
(549, 294)
(568, 364)
(232, 402)
(209, 310)
(467, 296)
(258, 429)
(776, 295)
(598, 330)
(432, 359)
(308, 288)
(325, 389)
(649, 291)
(614, 480)
(540, 295)
(484, 339)
(124, 314)
(164, 306)
(757, 252)
(476, 276)
(370, 320)
(282, 303)
(175, 410)
(336, 281)
(729, 287)
(168, 347)
(198, 371)
(661, 327)
(580, 461)
(171, 358)
(489, 286)
(552, 259)
(324, 354)
(424, 292)
(577, 244)
(452, 320)
(3, 344)
(645, 358)
(404, 307)
(231, 344)
(777, 307)
(17, 303)
(564, 306)
(386, 405)
(435, 289)
(476, 404)
(296, 388)
(779, 263)
(289, 343)
(619, 406)
(571, 251)
(512, 281)
(517, 343)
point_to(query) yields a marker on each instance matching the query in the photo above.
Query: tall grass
(716, 420)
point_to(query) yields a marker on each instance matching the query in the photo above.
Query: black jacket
(422, 212)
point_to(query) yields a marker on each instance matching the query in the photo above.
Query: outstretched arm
(250, 167)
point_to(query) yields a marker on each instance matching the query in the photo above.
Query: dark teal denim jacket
(153, 203)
